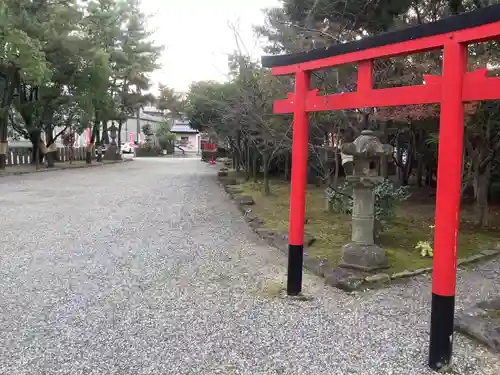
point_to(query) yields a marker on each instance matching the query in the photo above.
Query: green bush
(166, 142)
(386, 197)
(148, 150)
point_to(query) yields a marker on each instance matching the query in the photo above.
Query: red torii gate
(454, 87)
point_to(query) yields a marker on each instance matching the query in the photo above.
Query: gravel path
(148, 268)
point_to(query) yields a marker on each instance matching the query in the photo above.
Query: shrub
(166, 141)
(426, 247)
(148, 146)
(147, 149)
(386, 197)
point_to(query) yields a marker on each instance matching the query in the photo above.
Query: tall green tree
(102, 28)
(21, 57)
(171, 102)
(133, 63)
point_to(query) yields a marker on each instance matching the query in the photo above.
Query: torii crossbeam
(454, 87)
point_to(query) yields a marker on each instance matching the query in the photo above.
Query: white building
(186, 137)
(132, 128)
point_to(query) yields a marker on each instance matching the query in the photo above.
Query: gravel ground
(148, 268)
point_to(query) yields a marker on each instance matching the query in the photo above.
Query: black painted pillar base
(295, 259)
(441, 340)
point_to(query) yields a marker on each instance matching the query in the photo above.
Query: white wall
(193, 140)
(131, 126)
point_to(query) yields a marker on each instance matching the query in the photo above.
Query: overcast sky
(197, 37)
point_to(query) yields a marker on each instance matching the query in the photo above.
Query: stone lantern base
(112, 153)
(363, 257)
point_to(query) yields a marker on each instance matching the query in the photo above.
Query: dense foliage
(386, 196)
(65, 64)
(239, 113)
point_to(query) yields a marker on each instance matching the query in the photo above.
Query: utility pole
(138, 124)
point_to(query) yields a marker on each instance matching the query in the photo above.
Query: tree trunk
(255, 165)
(236, 157)
(89, 148)
(410, 154)
(50, 159)
(88, 153)
(329, 179)
(455, 6)
(96, 138)
(265, 162)
(384, 160)
(105, 135)
(334, 180)
(138, 125)
(336, 155)
(420, 169)
(51, 151)
(36, 155)
(247, 161)
(119, 135)
(238, 152)
(36, 141)
(4, 143)
(429, 174)
(482, 181)
(3, 154)
(12, 80)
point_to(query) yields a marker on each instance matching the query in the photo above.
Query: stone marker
(362, 253)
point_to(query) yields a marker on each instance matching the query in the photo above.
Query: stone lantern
(362, 253)
(112, 152)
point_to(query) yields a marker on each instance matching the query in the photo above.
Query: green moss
(332, 231)
(494, 314)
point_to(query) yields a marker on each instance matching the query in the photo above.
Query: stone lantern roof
(367, 146)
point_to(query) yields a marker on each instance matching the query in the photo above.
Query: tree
(132, 63)
(165, 138)
(301, 25)
(239, 112)
(21, 57)
(102, 30)
(65, 64)
(171, 102)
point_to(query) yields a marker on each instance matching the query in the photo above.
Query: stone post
(362, 252)
(363, 217)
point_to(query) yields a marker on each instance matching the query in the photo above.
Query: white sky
(197, 37)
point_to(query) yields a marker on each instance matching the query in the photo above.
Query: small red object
(206, 146)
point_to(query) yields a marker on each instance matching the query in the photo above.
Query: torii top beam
(467, 28)
(470, 27)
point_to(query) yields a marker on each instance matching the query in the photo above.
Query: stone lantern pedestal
(362, 252)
